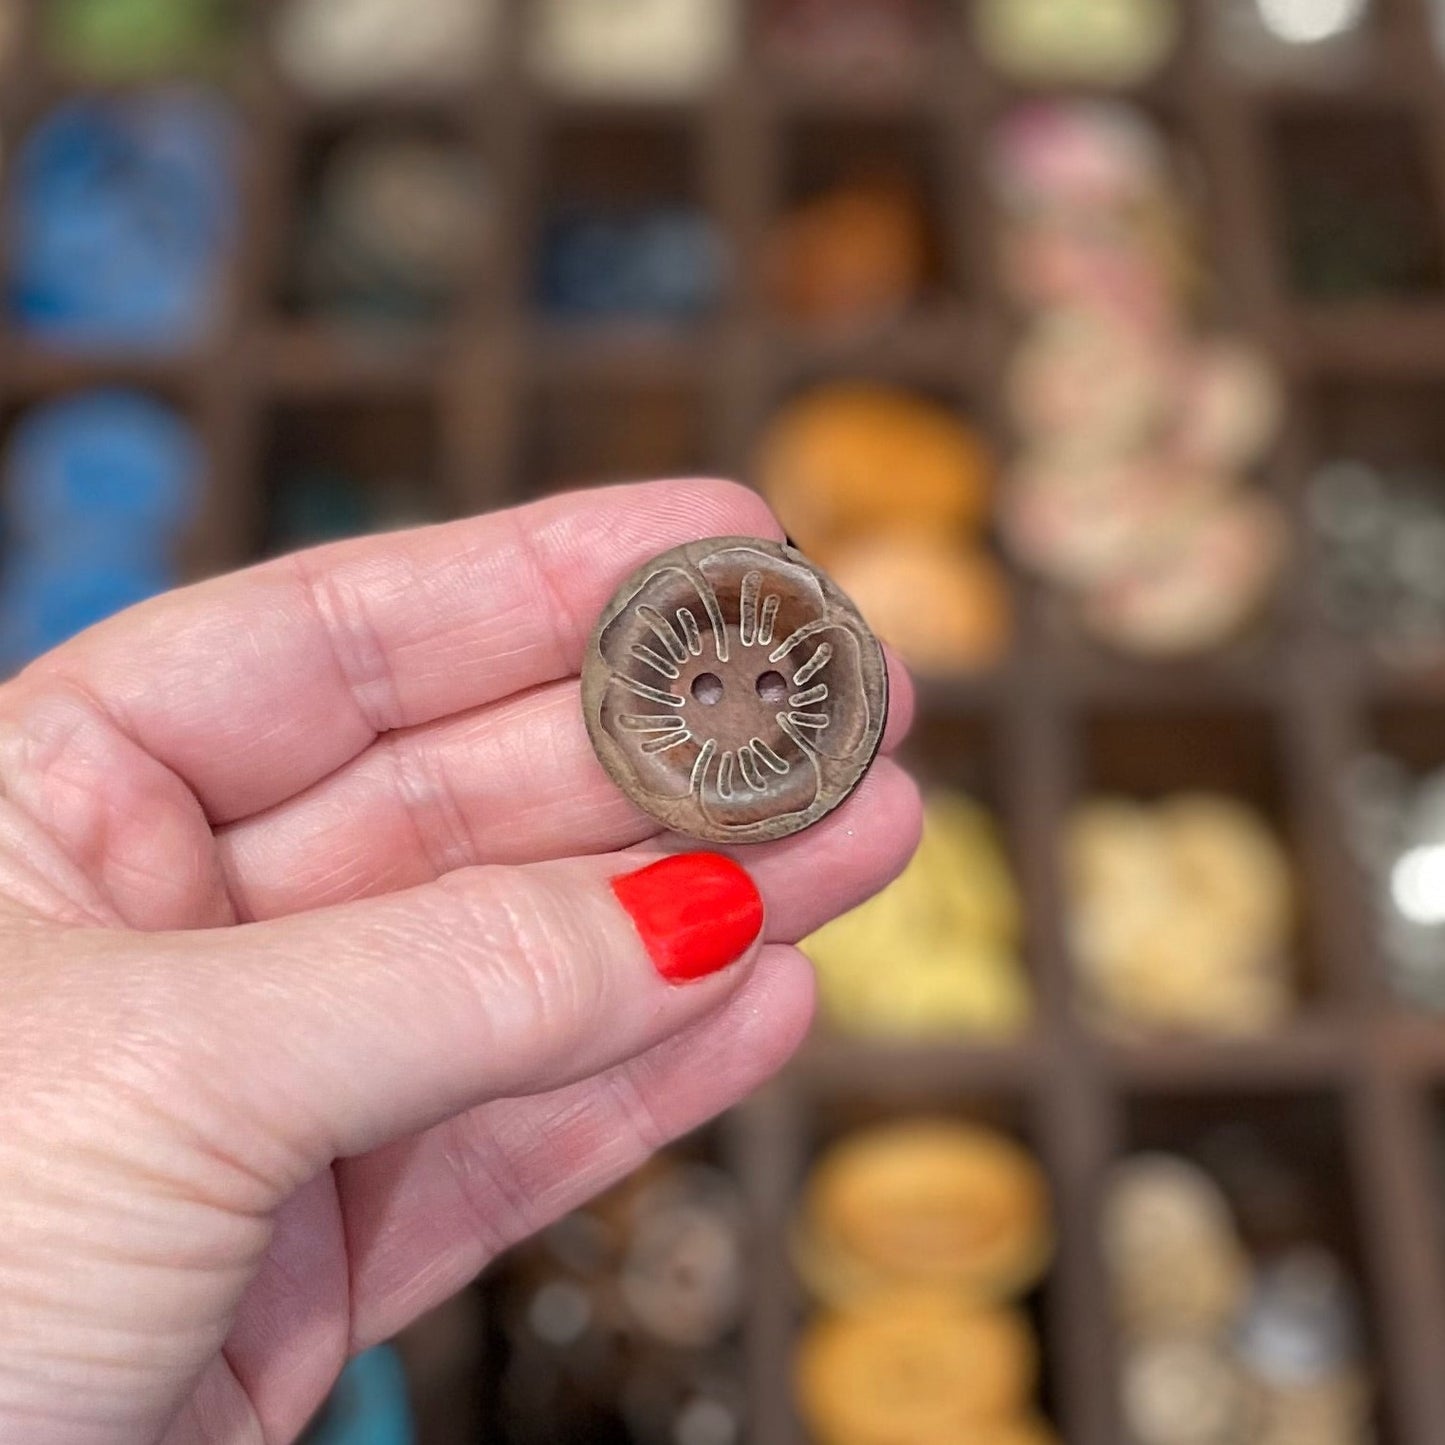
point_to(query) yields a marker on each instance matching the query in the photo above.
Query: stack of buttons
(1222, 1346)
(664, 263)
(1180, 916)
(1135, 432)
(122, 213)
(395, 232)
(1380, 533)
(1077, 42)
(852, 43)
(98, 492)
(621, 1320)
(909, 553)
(637, 50)
(350, 50)
(937, 953)
(918, 1239)
(126, 40)
(855, 255)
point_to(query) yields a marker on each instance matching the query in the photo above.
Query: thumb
(338, 1030)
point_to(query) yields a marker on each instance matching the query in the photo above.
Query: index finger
(253, 686)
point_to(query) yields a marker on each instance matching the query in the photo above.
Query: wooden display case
(502, 404)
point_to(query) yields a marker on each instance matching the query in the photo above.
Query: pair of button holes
(707, 688)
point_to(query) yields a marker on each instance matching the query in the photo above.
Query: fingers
(353, 844)
(902, 700)
(289, 1339)
(253, 686)
(511, 783)
(515, 782)
(422, 1217)
(351, 1026)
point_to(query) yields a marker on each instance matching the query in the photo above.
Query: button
(1181, 915)
(1089, 385)
(1301, 1326)
(1100, 42)
(924, 1203)
(950, 927)
(1182, 1390)
(855, 256)
(347, 50)
(667, 262)
(632, 49)
(122, 215)
(915, 1365)
(109, 466)
(116, 41)
(733, 692)
(394, 228)
(96, 492)
(1175, 1259)
(911, 555)
(1210, 587)
(821, 456)
(966, 618)
(683, 1274)
(859, 45)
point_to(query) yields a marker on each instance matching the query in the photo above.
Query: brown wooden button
(733, 692)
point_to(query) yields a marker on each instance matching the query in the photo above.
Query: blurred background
(1097, 347)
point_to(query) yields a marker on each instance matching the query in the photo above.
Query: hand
(315, 993)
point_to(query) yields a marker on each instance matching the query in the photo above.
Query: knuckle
(636, 1116)
(530, 966)
(493, 1201)
(418, 778)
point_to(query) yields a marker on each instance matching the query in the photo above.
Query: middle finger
(513, 782)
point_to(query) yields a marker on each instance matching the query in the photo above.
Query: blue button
(112, 463)
(666, 263)
(368, 1406)
(122, 213)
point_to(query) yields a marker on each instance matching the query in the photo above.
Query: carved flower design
(740, 690)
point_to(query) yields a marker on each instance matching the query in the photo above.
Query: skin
(314, 996)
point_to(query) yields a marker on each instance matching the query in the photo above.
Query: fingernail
(697, 913)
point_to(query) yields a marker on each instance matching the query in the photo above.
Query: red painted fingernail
(697, 913)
